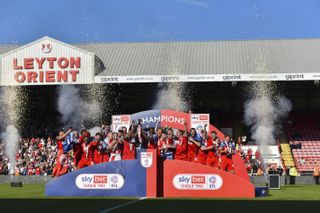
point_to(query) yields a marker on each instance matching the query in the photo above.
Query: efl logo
(146, 159)
(100, 179)
(198, 179)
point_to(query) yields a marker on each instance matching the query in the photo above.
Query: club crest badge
(146, 159)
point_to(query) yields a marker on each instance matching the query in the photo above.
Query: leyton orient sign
(47, 61)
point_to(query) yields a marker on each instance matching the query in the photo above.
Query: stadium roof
(251, 60)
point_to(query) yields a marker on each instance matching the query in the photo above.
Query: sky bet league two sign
(197, 181)
(135, 178)
(99, 181)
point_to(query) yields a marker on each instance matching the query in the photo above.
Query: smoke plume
(11, 137)
(170, 96)
(75, 110)
(12, 110)
(264, 112)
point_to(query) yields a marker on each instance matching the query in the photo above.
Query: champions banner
(163, 118)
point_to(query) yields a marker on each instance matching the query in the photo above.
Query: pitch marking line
(122, 205)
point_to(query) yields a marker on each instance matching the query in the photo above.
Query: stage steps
(286, 154)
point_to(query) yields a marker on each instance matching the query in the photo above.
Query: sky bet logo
(121, 118)
(99, 181)
(95, 179)
(197, 181)
(193, 179)
(200, 117)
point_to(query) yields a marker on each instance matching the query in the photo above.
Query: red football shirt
(181, 148)
(129, 150)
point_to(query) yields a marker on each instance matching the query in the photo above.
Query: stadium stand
(304, 141)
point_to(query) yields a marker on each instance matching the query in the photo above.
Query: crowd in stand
(72, 150)
(253, 161)
(295, 145)
(35, 156)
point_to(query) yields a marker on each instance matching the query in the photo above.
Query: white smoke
(69, 104)
(94, 130)
(263, 115)
(170, 97)
(74, 110)
(11, 137)
(12, 108)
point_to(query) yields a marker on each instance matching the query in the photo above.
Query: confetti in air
(172, 95)
(13, 104)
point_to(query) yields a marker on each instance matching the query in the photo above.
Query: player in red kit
(114, 147)
(129, 147)
(104, 154)
(181, 144)
(204, 148)
(88, 149)
(194, 141)
(165, 146)
(98, 153)
(77, 151)
(60, 167)
(212, 157)
(227, 149)
(154, 139)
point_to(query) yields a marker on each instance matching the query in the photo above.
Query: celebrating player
(181, 144)
(194, 141)
(227, 149)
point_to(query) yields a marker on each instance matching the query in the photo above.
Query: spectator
(316, 174)
(257, 154)
(292, 145)
(259, 171)
(293, 174)
(279, 170)
(271, 170)
(287, 175)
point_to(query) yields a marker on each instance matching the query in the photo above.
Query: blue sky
(77, 21)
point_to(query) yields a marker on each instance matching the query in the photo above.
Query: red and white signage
(47, 61)
(99, 181)
(197, 181)
(119, 121)
(199, 120)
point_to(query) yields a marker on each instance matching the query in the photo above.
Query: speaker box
(16, 184)
(274, 182)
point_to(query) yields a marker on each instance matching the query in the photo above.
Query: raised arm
(190, 139)
(65, 134)
(185, 129)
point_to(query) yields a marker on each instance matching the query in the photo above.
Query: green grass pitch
(15, 199)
